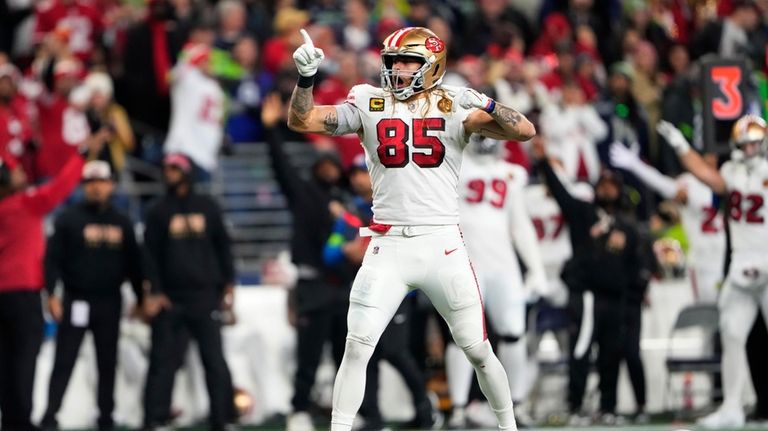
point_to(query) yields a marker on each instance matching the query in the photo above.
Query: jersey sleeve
(348, 114)
(459, 114)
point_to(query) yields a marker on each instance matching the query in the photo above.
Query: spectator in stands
(197, 112)
(493, 27)
(518, 84)
(15, 126)
(321, 296)
(565, 70)
(22, 247)
(678, 106)
(61, 127)
(573, 128)
(556, 31)
(625, 117)
(277, 49)
(729, 37)
(93, 251)
(232, 19)
(151, 48)
(104, 112)
(604, 268)
(246, 93)
(11, 16)
(79, 19)
(647, 88)
(192, 282)
(357, 33)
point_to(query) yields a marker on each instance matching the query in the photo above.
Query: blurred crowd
(184, 80)
(596, 71)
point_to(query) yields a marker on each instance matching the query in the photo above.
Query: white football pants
(738, 311)
(433, 259)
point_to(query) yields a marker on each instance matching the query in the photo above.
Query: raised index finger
(307, 39)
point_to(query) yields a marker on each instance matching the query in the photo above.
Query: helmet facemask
(390, 76)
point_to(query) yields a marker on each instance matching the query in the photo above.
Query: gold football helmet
(416, 42)
(748, 138)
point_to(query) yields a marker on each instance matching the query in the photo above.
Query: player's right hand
(673, 136)
(623, 157)
(307, 57)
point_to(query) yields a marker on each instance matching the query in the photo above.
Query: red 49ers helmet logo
(434, 44)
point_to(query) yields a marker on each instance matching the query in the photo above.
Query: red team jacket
(22, 241)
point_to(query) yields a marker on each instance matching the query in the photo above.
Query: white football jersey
(486, 187)
(703, 224)
(197, 110)
(747, 195)
(413, 151)
(551, 228)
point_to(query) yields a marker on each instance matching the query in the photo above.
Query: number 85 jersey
(747, 194)
(413, 151)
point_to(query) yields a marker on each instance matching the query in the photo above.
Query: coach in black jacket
(321, 293)
(93, 250)
(606, 261)
(192, 279)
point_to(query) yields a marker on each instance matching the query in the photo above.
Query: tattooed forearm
(331, 122)
(301, 100)
(300, 108)
(511, 124)
(506, 114)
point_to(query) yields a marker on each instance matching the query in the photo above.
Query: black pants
(170, 334)
(757, 354)
(314, 328)
(609, 316)
(393, 347)
(21, 333)
(104, 324)
(631, 353)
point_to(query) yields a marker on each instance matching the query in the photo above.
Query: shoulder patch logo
(445, 105)
(376, 104)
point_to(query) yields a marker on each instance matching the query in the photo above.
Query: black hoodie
(610, 274)
(93, 250)
(308, 201)
(188, 247)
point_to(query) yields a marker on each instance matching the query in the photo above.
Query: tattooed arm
(305, 117)
(503, 123)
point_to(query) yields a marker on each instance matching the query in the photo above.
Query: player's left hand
(536, 283)
(468, 98)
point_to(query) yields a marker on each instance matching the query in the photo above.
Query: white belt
(406, 231)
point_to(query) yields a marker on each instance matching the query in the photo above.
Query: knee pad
(478, 353)
(357, 349)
